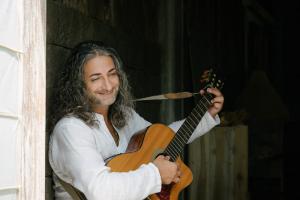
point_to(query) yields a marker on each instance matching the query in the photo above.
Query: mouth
(105, 93)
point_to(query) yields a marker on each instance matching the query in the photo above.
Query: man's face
(102, 81)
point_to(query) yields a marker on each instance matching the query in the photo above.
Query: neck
(103, 110)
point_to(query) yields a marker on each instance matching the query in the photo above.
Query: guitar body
(143, 148)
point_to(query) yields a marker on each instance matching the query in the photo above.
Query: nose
(107, 84)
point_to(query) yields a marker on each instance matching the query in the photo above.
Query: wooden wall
(219, 162)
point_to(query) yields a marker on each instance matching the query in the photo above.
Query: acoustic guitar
(159, 139)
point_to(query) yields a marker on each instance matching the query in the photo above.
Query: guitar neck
(176, 146)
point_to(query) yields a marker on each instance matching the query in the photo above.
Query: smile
(106, 93)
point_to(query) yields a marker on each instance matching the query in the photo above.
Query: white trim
(9, 115)
(12, 49)
(10, 188)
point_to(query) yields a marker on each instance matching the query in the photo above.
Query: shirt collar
(99, 117)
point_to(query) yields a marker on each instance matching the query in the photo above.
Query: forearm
(137, 184)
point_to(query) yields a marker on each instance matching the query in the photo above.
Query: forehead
(99, 64)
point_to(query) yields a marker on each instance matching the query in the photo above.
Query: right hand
(169, 171)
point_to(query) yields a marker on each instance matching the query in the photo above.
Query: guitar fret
(189, 125)
(176, 148)
(173, 146)
(186, 126)
(179, 139)
(194, 123)
(200, 111)
(201, 106)
(182, 136)
(183, 139)
(192, 113)
(170, 153)
(174, 156)
(186, 138)
(167, 152)
(206, 100)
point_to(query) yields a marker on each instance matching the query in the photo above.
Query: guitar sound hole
(164, 194)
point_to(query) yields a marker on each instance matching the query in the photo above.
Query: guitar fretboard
(176, 146)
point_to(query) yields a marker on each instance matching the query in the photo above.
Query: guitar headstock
(210, 80)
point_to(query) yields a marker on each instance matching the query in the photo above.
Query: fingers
(177, 177)
(219, 98)
(163, 157)
(215, 92)
(217, 101)
(169, 171)
(202, 92)
(176, 180)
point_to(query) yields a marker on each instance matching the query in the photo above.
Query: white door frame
(32, 183)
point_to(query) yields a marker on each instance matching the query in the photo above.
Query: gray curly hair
(71, 97)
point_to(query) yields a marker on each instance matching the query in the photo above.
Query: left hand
(217, 102)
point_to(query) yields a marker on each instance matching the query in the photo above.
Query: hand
(217, 102)
(169, 171)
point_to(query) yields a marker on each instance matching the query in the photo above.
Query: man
(95, 120)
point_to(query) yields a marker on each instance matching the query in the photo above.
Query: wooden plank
(219, 162)
(33, 107)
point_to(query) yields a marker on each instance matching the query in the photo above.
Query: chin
(107, 102)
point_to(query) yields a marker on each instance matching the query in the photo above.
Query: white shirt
(77, 153)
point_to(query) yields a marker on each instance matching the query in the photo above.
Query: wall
(165, 46)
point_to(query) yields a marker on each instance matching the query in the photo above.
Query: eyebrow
(98, 74)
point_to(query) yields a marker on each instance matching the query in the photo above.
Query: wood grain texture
(219, 161)
(32, 169)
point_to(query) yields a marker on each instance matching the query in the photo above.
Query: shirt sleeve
(136, 123)
(74, 153)
(206, 124)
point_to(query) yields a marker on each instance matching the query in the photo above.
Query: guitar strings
(173, 150)
(186, 139)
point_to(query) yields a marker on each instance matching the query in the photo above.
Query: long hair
(70, 96)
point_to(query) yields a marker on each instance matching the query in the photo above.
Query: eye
(95, 78)
(114, 73)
